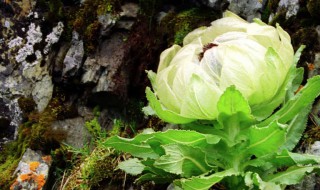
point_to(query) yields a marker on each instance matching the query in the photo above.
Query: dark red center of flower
(205, 48)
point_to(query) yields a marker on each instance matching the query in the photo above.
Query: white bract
(254, 57)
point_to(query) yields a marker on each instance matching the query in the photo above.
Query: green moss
(34, 134)
(184, 22)
(91, 35)
(86, 23)
(10, 157)
(93, 127)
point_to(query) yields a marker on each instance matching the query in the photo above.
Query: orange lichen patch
(311, 66)
(40, 180)
(34, 166)
(25, 177)
(47, 159)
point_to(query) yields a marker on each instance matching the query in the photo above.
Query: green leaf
(303, 99)
(265, 140)
(191, 138)
(231, 103)
(296, 128)
(185, 137)
(204, 182)
(292, 175)
(304, 159)
(183, 160)
(164, 114)
(132, 166)
(157, 175)
(158, 179)
(296, 77)
(136, 146)
(252, 179)
(298, 54)
(284, 159)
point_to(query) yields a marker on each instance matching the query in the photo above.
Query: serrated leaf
(204, 182)
(183, 160)
(296, 77)
(301, 100)
(256, 180)
(157, 175)
(164, 114)
(136, 146)
(301, 159)
(231, 103)
(295, 129)
(132, 166)
(185, 137)
(284, 159)
(298, 54)
(265, 140)
(291, 176)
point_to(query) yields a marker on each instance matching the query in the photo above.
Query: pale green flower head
(254, 57)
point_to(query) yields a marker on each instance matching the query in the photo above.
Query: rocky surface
(32, 171)
(72, 132)
(64, 58)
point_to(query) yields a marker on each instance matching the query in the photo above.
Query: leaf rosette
(254, 57)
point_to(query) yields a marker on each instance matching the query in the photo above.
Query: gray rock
(32, 170)
(249, 9)
(209, 3)
(91, 71)
(318, 31)
(130, 10)
(291, 6)
(73, 60)
(107, 22)
(111, 57)
(72, 131)
(42, 92)
(6, 129)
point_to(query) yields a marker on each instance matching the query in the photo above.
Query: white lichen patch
(34, 36)
(15, 42)
(23, 53)
(53, 37)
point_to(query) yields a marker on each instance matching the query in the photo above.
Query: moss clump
(91, 36)
(184, 22)
(86, 23)
(93, 126)
(27, 105)
(34, 134)
(95, 167)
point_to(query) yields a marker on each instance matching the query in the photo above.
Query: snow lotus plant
(224, 86)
